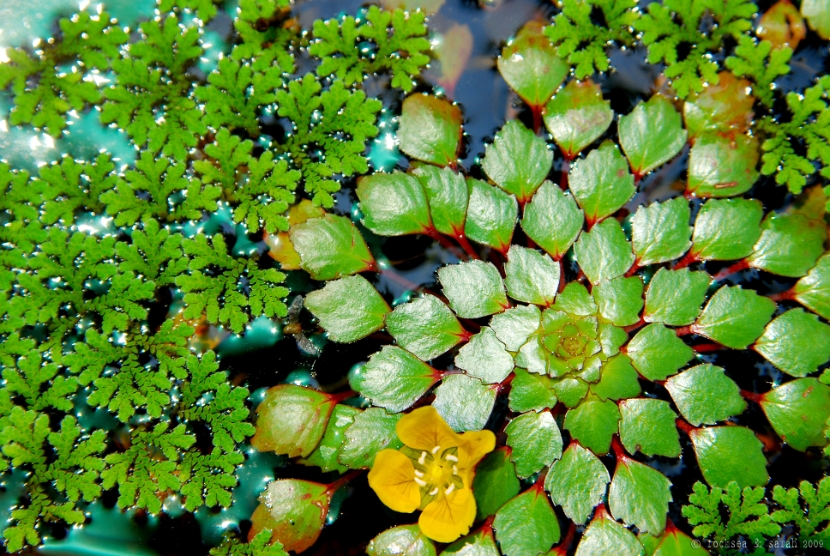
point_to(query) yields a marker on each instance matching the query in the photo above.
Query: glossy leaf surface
(430, 129)
(331, 247)
(348, 309)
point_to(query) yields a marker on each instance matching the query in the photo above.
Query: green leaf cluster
(583, 41)
(61, 75)
(674, 32)
(722, 515)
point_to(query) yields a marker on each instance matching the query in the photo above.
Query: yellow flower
(433, 472)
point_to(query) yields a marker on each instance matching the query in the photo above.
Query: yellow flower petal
(424, 429)
(448, 517)
(392, 477)
(474, 446)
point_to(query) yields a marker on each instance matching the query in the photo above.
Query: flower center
(436, 472)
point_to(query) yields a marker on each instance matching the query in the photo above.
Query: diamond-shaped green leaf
(730, 453)
(474, 289)
(577, 116)
(425, 327)
(394, 204)
(620, 300)
(705, 395)
(570, 390)
(349, 309)
(530, 65)
(604, 252)
(485, 357)
(430, 129)
(291, 420)
(294, 511)
(675, 297)
(618, 380)
(813, 291)
(593, 422)
(370, 432)
(464, 402)
(639, 495)
(491, 216)
(535, 441)
(331, 247)
(675, 543)
(647, 426)
(722, 166)
(394, 379)
(652, 134)
(577, 482)
(660, 232)
(790, 244)
(531, 392)
(479, 543)
(495, 482)
(606, 536)
(735, 317)
(527, 524)
(726, 229)
(518, 160)
(447, 195)
(796, 342)
(410, 537)
(514, 326)
(601, 183)
(531, 276)
(657, 352)
(325, 456)
(552, 219)
(576, 300)
(798, 411)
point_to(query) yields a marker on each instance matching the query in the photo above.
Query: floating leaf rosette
(592, 322)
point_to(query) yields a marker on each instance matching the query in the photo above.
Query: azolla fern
(108, 270)
(581, 324)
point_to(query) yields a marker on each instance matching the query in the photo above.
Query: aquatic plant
(589, 331)
(106, 269)
(592, 340)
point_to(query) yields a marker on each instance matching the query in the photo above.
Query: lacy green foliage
(150, 97)
(44, 90)
(259, 189)
(674, 33)
(226, 289)
(158, 189)
(258, 546)
(760, 62)
(204, 9)
(397, 44)
(65, 459)
(809, 512)
(793, 149)
(582, 41)
(330, 132)
(78, 325)
(263, 37)
(747, 512)
(237, 91)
